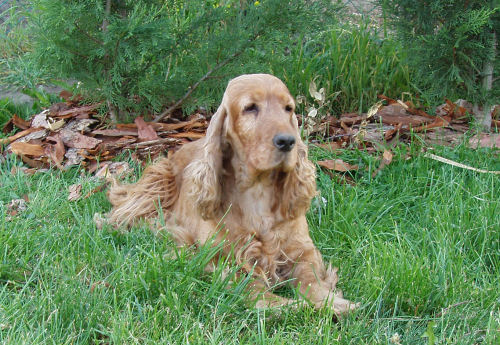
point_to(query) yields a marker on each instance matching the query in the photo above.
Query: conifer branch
(177, 104)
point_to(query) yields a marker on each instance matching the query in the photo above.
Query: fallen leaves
(145, 132)
(491, 140)
(74, 192)
(20, 148)
(387, 157)
(337, 165)
(69, 134)
(77, 140)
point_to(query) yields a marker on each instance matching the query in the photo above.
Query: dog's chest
(256, 204)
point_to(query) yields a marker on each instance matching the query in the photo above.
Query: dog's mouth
(281, 161)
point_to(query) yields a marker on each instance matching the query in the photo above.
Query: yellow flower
(256, 3)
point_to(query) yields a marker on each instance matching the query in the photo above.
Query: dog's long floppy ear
(300, 184)
(204, 174)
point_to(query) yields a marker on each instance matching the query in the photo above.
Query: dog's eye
(251, 108)
(288, 108)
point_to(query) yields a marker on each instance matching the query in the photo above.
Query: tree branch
(177, 104)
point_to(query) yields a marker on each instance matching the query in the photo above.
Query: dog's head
(261, 125)
(256, 119)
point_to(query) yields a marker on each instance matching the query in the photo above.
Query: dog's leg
(262, 298)
(317, 283)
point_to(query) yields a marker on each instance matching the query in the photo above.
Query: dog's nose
(284, 142)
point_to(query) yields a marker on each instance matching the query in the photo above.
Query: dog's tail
(155, 190)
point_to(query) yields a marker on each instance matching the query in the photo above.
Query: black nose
(284, 142)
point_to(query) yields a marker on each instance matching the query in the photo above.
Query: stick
(460, 165)
(169, 110)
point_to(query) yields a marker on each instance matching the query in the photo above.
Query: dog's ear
(204, 174)
(300, 184)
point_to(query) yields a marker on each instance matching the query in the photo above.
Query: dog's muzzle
(284, 142)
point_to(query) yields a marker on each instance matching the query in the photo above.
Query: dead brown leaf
(77, 140)
(35, 163)
(20, 135)
(74, 112)
(99, 283)
(97, 189)
(20, 123)
(74, 192)
(491, 140)
(387, 157)
(189, 135)
(145, 131)
(15, 207)
(116, 132)
(56, 152)
(337, 165)
(113, 170)
(20, 148)
(330, 146)
(397, 113)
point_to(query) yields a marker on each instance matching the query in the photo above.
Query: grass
(353, 61)
(418, 245)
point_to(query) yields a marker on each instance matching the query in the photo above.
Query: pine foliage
(448, 43)
(145, 54)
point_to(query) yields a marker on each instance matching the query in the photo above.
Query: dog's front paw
(340, 305)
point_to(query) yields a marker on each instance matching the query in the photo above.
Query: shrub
(142, 55)
(451, 46)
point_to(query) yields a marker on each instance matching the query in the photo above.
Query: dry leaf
(491, 140)
(73, 112)
(312, 112)
(116, 132)
(40, 120)
(99, 283)
(16, 205)
(337, 165)
(20, 148)
(73, 158)
(20, 135)
(55, 125)
(387, 157)
(189, 135)
(112, 170)
(20, 123)
(97, 189)
(77, 140)
(331, 146)
(80, 125)
(145, 131)
(74, 192)
(394, 114)
(56, 152)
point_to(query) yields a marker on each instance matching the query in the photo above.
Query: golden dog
(251, 174)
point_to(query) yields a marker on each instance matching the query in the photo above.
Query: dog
(247, 185)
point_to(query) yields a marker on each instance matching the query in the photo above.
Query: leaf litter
(70, 134)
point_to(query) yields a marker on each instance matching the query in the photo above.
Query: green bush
(142, 55)
(449, 44)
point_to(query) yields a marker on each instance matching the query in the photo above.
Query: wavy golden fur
(252, 172)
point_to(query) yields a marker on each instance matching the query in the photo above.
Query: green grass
(418, 238)
(353, 61)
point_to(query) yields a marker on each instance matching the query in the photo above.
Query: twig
(460, 165)
(89, 35)
(177, 104)
(152, 142)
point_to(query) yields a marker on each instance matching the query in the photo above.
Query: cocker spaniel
(251, 174)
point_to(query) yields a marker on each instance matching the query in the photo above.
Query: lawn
(418, 245)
